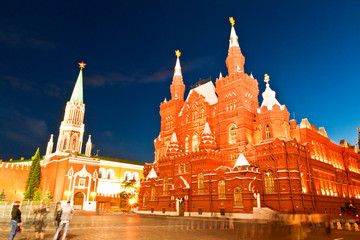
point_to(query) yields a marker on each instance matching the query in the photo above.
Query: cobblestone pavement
(90, 226)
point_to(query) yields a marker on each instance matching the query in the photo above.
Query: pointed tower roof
(177, 71)
(77, 94)
(233, 37)
(152, 174)
(207, 139)
(173, 138)
(89, 139)
(220, 76)
(173, 147)
(207, 129)
(241, 161)
(269, 96)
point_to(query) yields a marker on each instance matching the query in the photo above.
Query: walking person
(57, 218)
(66, 214)
(15, 220)
(40, 222)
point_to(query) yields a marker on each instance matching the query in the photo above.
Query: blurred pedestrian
(57, 218)
(66, 214)
(40, 222)
(57, 214)
(15, 220)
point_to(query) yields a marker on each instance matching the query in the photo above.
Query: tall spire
(177, 87)
(233, 37)
(177, 71)
(235, 60)
(72, 127)
(77, 94)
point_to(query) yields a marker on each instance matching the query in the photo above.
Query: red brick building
(220, 151)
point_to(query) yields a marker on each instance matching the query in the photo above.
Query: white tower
(72, 127)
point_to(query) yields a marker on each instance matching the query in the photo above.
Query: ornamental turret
(50, 145)
(207, 138)
(72, 127)
(272, 118)
(173, 147)
(88, 147)
(235, 61)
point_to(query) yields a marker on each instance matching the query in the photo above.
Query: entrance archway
(79, 200)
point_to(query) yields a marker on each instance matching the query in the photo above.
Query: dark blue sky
(310, 49)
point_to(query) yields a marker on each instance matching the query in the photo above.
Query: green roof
(77, 94)
(119, 160)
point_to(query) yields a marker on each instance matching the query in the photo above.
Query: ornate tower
(72, 127)
(169, 111)
(238, 101)
(272, 120)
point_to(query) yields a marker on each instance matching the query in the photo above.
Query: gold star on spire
(82, 65)
(232, 21)
(267, 79)
(177, 53)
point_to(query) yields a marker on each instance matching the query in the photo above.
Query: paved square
(90, 226)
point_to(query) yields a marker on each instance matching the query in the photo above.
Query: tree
(2, 195)
(34, 178)
(129, 194)
(37, 196)
(48, 196)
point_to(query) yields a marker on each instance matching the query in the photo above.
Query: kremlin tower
(72, 127)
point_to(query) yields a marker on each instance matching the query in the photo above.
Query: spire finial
(177, 53)
(82, 65)
(266, 79)
(232, 21)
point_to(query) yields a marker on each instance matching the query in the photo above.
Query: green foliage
(37, 196)
(48, 196)
(33, 181)
(2, 195)
(29, 193)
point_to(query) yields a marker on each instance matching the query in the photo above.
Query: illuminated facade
(89, 182)
(220, 152)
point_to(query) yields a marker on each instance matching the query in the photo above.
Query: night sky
(310, 50)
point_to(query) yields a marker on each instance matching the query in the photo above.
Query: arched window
(267, 131)
(269, 182)
(166, 186)
(153, 193)
(110, 174)
(73, 144)
(135, 176)
(200, 183)
(238, 199)
(65, 143)
(187, 144)
(145, 199)
(127, 176)
(102, 173)
(232, 134)
(221, 190)
(195, 143)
